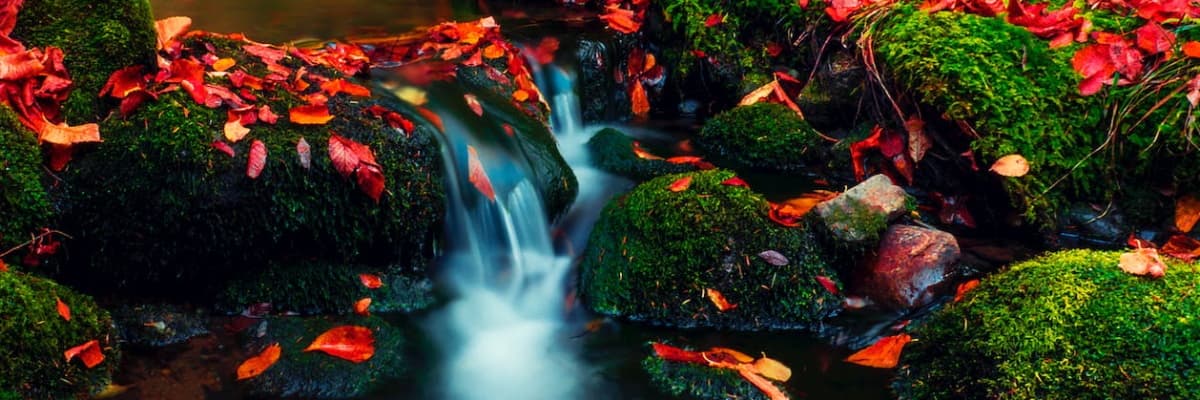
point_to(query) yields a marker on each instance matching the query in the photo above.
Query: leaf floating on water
(352, 343)
(63, 310)
(719, 300)
(762, 384)
(89, 353)
(1012, 165)
(680, 184)
(258, 364)
(1143, 262)
(885, 353)
(258, 159)
(756, 372)
(478, 176)
(304, 151)
(370, 281)
(774, 258)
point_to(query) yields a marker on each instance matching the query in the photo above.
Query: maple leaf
(1152, 38)
(478, 176)
(352, 343)
(885, 353)
(124, 82)
(90, 353)
(259, 363)
(189, 73)
(370, 281)
(63, 310)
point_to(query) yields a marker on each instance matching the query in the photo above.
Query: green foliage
(33, 338)
(24, 205)
(314, 287)
(653, 253)
(612, 151)
(693, 381)
(1070, 325)
(747, 28)
(761, 136)
(97, 38)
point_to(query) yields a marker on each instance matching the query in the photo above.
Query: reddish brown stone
(911, 267)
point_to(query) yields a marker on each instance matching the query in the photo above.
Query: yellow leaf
(234, 131)
(1012, 165)
(223, 64)
(772, 369)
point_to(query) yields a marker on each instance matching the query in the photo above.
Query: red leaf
(266, 115)
(680, 184)
(190, 74)
(259, 363)
(223, 147)
(828, 284)
(963, 288)
(336, 86)
(719, 300)
(1152, 38)
(169, 28)
(371, 281)
(362, 306)
(124, 82)
(714, 20)
(63, 310)
(1191, 49)
(473, 103)
(774, 49)
(735, 181)
(478, 176)
(1182, 247)
(352, 343)
(341, 153)
(90, 353)
(370, 180)
(1135, 242)
(258, 159)
(620, 19)
(1094, 63)
(953, 210)
(304, 151)
(310, 115)
(672, 353)
(269, 55)
(3, 266)
(885, 353)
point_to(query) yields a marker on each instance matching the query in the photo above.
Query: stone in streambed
(911, 266)
(859, 214)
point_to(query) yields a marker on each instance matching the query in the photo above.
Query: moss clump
(692, 381)
(24, 205)
(742, 37)
(315, 287)
(856, 222)
(33, 338)
(762, 136)
(1070, 325)
(653, 253)
(314, 374)
(97, 38)
(611, 150)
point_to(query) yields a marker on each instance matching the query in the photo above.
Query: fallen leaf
(829, 285)
(335, 86)
(790, 212)
(259, 363)
(234, 131)
(478, 176)
(473, 103)
(362, 306)
(772, 369)
(918, 141)
(110, 391)
(1182, 247)
(963, 288)
(643, 153)
(735, 181)
(1187, 212)
(63, 310)
(342, 154)
(310, 115)
(672, 353)
(763, 385)
(258, 159)
(371, 281)
(223, 147)
(774, 258)
(638, 100)
(1152, 38)
(520, 95)
(352, 343)
(723, 353)
(1143, 262)
(621, 19)
(304, 151)
(1012, 165)
(3, 266)
(1135, 242)
(370, 180)
(266, 115)
(713, 20)
(680, 184)
(68, 135)
(493, 51)
(719, 300)
(223, 64)
(1191, 49)
(885, 353)
(170, 27)
(89, 353)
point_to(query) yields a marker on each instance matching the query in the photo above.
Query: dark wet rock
(911, 267)
(1103, 225)
(860, 213)
(653, 254)
(694, 381)
(317, 375)
(33, 338)
(601, 97)
(611, 150)
(313, 287)
(833, 98)
(156, 325)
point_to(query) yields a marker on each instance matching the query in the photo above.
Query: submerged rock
(912, 264)
(157, 325)
(860, 213)
(611, 150)
(655, 253)
(1069, 325)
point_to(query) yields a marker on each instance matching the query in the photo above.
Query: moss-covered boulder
(761, 136)
(1069, 325)
(33, 338)
(694, 381)
(317, 375)
(611, 150)
(24, 205)
(655, 252)
(317, 287)
(97, 38)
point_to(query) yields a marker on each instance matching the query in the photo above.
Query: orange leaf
(223, 64)
(342, 86)
(639, 102)
(1012, 165)
(89, 353)
(1143, 262)
(3, 266)
(235, 131)
(1182, 247)
(371, 281)
(124, 82)
(63, 310)
(789, 212)
(620, 19)
(963, 288)
(67, 135)
(169, 28)
(352, 343)
(747, 372)
(258, 159)
(1187, 212)
(478, 176)
(1191, 49)
(672, 353)
(642, 153)
(310, 115)
(520, 95)
(258, 364)
(772, 369)
(739, 357)
(362, 306)
(885, 353)
(680, 184)
(719, 300)
(493, 51)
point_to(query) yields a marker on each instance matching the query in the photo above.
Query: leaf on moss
(1012, 165)
(1182, 247)
(223, 147)
(362, 306)
(310, 115)
(352, 343)
(827, 283)
(713, 20)
(304, 151)
(66, 135)
(961, 292)
(258, 159)
(370, 281)
(90, 353)
(335, 86)
(719, 300)
(63, 310)
(170, 27)
(235, 131)
(885, 353)
(680, 184)
(774, 258)
(1143, 262)
(735, 181)
(256, 365)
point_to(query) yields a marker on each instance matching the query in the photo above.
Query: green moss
(1070, 325)
(653, 253)
(24, 205)
(693, 381)
(33, 338)
(858, 221)
(741, 38)
(762, 136)
(314, 374)
(313, 287)
(612, 151)
(97, 38)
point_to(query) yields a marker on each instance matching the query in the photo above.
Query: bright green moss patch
(653, 253)
(762, 136)
(611, 150)
(1070, 325)
(33, 338)
(693, 381)
(24, 205)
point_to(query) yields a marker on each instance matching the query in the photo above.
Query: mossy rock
(1069, 325)
(693, 381)
(611, 150)
(760, 137)
(317, 375)
(97, 38)
(33, 338)
(316, 287)
(24, 205)
(654, 252)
